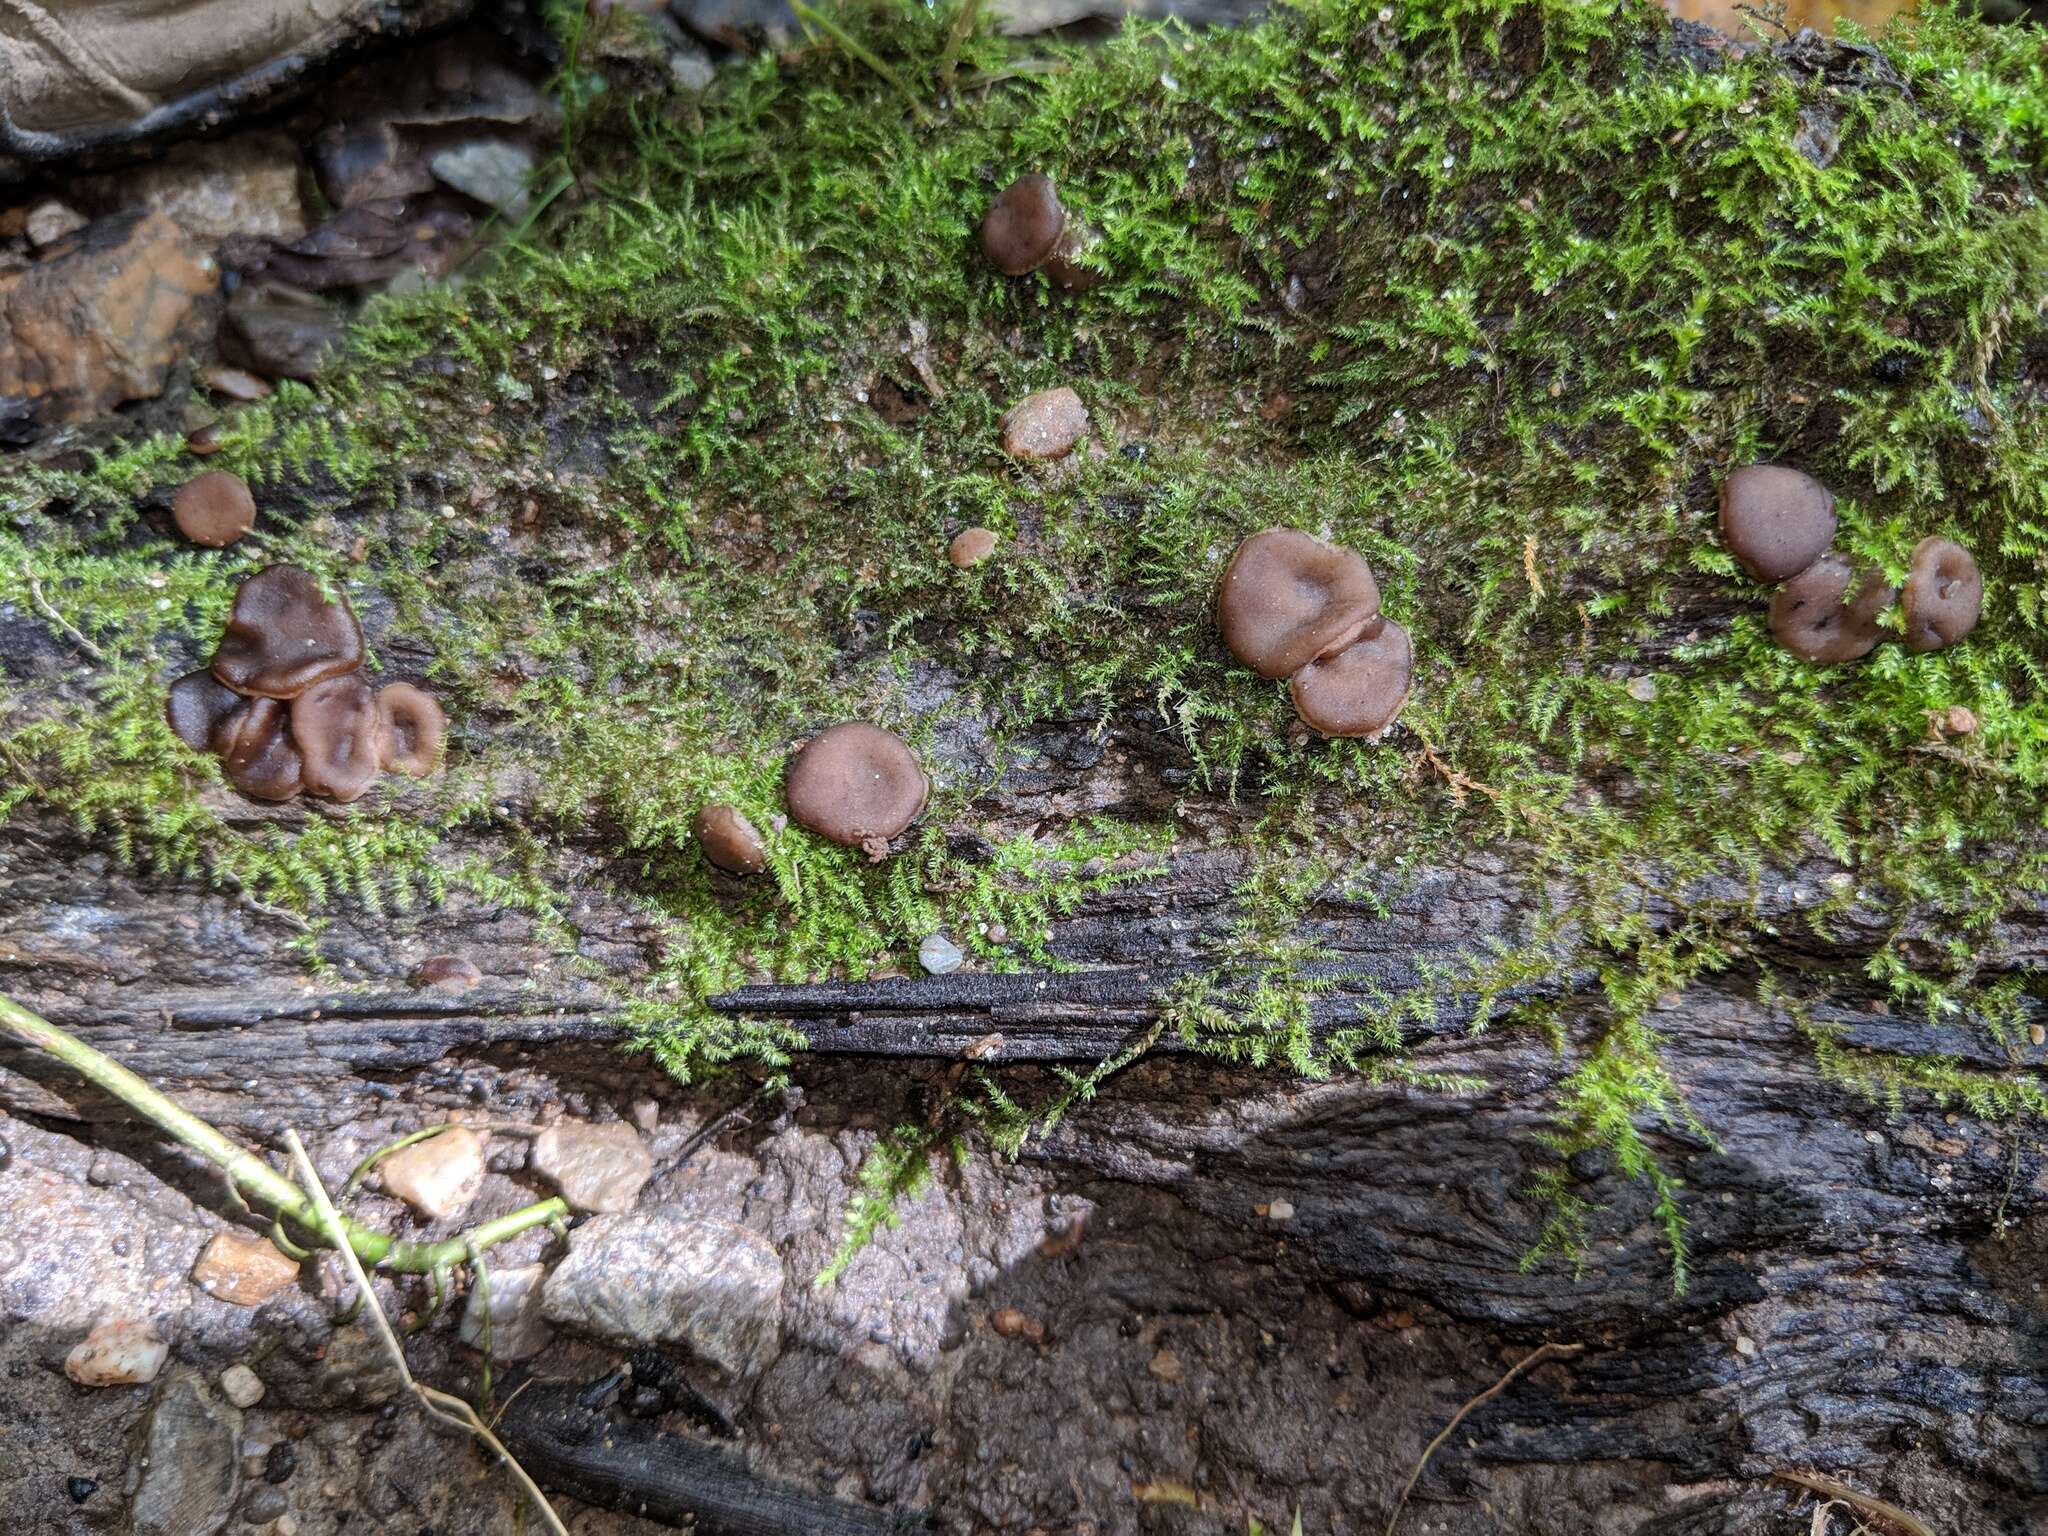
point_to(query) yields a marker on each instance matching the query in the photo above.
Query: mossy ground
(1493, 292)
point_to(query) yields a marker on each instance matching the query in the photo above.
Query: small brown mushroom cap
(1288, 598)
(856, 784)
(1357, 691)
(257, 751)
(283, 636)
(214, 509)
(195, 706)
(971, 546)
(730, 841)
(1023, 225)
(1776, 520)
(339, 732)
(447, 973)
(1066, 267)
(1944, 593)
(1814, 618)
(410, 728)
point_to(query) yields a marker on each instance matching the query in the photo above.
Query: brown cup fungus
(858, 785)
(336, 726)
(1358, 690)
(1027, 229)
(971, 546)
(730, 841)
(195, 707)
(1292, 606)
(1943, 594)
(1288, 598)
(214, 509)
(411, 726)
(1775, 520)
(257, 751)
(1816, 617)
(284, 706)
(284, 635)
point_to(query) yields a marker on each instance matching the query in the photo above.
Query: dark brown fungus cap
(856, 784)
(448, 973)
(257, 751)
(1065, 266)
(410, 728)
(1358, 690)
(337, 728)
(1776, 521)
(283, 636)
(214, 509)
(1944, 592)
(1023, 225)
(196, 705)
(730, 841)
(1815, 618)
(1288, 598)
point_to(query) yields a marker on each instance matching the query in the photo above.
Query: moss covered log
(1494, 293)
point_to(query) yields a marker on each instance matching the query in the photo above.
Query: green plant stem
(248, 1173)
(811, 15)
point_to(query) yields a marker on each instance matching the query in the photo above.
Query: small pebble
(1280, 1210)
(286, 1526)
(1642, 689)
(264, 1505)
(1013, 1323)
(939, 955)
(242, 1386)
(1959, 721)
(81, 1488)
(1045, 425)
(281, 1463)
(2038, 1033)
(1746, 1347)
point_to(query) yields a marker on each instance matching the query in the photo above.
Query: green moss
(1493, 291)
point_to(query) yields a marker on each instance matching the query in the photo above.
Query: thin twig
(1547, 1352)
(1827, 1487)
(956, 38)
(250, 1173)
(445, 1406)
(35, 591)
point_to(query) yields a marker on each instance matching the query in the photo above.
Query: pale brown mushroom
(214, 509)
(447, 973)
(411, 726)
(1357, 691)
(1776, 520)
(1288, 598)
(337, 727)
(1814, 617)
(971, 546)
(257, 751)
(1944, 593)
(730, 841)
(858, 785)
(284, 635)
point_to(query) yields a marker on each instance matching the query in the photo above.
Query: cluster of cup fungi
(285, 707)
(1779, 524)
(284, 704)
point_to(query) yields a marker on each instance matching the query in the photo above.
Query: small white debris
(1643, 689)
(1280, 1210)
(1745, 1347)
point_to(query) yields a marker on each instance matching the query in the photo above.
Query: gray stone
(517, 1330)
(663, 1275)
(264, 1505)
(191, 1474)
(939, 955)
(493, 171)
(598, 1168)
